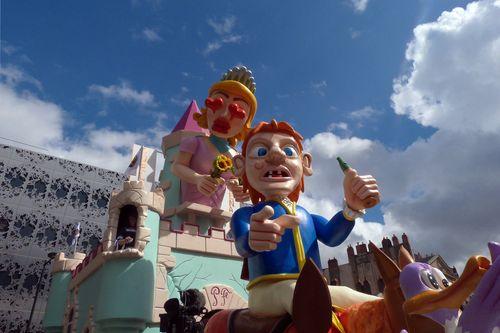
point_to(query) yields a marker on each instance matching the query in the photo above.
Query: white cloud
(12, 75)
(359, 5)
(180, 98)
(7, 48)
(453, 83)
(125, 93)
(217, 44)
(319, 87)
(442, 191)
(180, 101)
(101, 147)
(156, 133)
(363, 113)
(211, 47)
(151, 35)
(354, 33)
(231, 39)
(224, 30)
(26, 118)
(212, 66)
(106, 147)
(223, 27)
(188, 75)
(340, 126)
(327, 145)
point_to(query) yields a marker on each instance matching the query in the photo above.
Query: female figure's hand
(207, 185)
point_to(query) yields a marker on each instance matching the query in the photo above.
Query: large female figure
(228, 114)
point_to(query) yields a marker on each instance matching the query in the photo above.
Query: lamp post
(51, 256)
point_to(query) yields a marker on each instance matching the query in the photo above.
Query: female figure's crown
(242, 75)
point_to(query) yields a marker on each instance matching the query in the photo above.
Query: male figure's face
(227, 114)
(274, 164)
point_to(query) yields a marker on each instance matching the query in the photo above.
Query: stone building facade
(42, 198)
(361, 272)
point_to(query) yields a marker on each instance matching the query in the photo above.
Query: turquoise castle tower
(177, 246)
(197, 234)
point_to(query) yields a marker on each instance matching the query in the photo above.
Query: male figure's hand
(239, 194)
(360, 191)
(265, 234)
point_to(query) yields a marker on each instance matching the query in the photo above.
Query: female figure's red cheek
(214, 104)
(236, 111)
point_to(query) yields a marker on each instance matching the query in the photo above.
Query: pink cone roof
(187, 123)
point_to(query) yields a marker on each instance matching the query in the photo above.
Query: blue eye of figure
(290, 151)
(258, 150)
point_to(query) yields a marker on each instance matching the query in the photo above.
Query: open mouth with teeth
(277, 175)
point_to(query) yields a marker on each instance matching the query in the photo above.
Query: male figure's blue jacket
(282, 263)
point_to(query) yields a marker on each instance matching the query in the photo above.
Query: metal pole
(36, 296)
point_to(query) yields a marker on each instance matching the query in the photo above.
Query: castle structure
(361, 272)
(120, 286)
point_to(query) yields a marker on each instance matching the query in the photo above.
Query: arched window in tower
(127, 227)
(380, 285)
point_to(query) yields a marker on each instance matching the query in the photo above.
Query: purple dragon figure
(419, 278)
(428, 293)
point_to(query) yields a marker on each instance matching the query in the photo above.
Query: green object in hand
(343, 165)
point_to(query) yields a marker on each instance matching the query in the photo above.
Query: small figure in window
(127, 227)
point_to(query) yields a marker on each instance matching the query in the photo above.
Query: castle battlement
(361, 248)
(190, 238)
(63, 264)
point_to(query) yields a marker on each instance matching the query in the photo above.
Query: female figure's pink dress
(201, 162)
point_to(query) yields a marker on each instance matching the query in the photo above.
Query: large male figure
(275, 234)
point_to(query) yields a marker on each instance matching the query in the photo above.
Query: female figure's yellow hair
(238, 84)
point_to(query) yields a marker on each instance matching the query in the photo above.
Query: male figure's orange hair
(272, 127)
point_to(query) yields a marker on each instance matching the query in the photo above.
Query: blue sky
(325, 59)
(401, 89)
